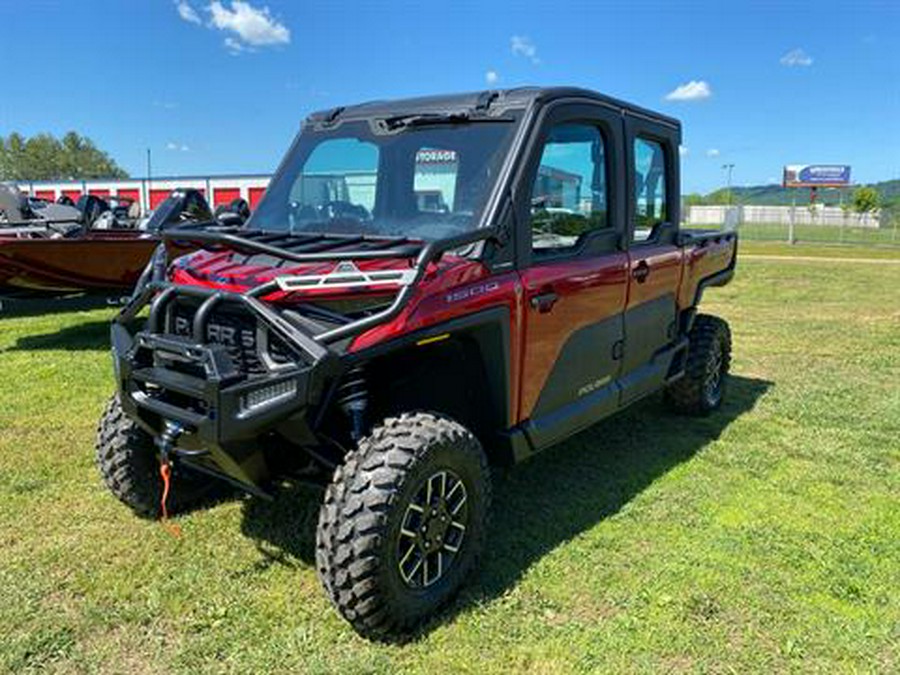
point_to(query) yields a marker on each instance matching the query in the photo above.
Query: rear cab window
(434, 181)
(650, 198)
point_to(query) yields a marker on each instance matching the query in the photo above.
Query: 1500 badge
(472, 291)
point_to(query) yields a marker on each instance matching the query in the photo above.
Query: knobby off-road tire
(702, 388)
(373, 528)
(129, 464)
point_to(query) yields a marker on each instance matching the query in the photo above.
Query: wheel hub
(432, 530)
(713, 381)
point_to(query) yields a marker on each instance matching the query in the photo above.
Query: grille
(238, 332)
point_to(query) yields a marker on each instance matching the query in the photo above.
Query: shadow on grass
(541, 503)
(90, 336)
(36, 306)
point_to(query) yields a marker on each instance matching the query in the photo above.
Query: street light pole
(729, 168)
(149, 179)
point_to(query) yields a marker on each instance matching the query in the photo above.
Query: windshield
(423, 182)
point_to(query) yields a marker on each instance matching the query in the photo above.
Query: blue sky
(221, 87)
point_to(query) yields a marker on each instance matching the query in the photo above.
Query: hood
(239, 272)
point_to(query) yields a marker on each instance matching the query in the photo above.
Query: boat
(56, 249)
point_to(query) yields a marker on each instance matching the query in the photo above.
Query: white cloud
(683, 150)
(796, 57)
(695, 90)
(713, 152)
(165, 105)
(188, 13)
(251, 26)
(523, 46)
(172, 145)
(491, 77)
(235, 46)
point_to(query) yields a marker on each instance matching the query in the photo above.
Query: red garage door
(72, 194)
(132, 194)
(157, 196)
(49, 195)
(255, 195)
(97, 192)
(225, 195)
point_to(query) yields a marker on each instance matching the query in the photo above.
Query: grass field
(826, 250)
(765, 538)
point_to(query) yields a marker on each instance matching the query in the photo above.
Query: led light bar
(264, 396)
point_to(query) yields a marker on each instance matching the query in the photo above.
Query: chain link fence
(801, 224)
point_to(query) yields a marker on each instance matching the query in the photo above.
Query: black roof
(501, 99)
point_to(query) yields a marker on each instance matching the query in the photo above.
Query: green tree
(694, 199)
(865, 199)
(12, 155)
(44, 157)
(720, 197)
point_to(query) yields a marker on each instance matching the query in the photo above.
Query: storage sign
(816, 175)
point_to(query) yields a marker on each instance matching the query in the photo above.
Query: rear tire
(403, 523)
(129, 464)
(702, 388)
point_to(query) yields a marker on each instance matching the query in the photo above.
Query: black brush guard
(182, 387)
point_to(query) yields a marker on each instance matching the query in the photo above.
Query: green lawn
(765, 538)
(817, 250)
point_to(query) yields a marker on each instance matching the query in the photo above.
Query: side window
(649, 188)
(434, 180)
(569, 197)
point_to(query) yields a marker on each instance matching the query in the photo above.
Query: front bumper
(223, 412)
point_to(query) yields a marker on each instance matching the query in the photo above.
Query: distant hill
(776, 195)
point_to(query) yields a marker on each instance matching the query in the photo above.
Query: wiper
(424, 119)
(392, 124)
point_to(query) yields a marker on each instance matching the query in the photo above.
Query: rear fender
(710, 264)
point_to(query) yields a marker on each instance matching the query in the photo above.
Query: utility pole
(729, 168)
(149, 177)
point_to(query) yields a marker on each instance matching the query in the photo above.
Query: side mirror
(665, 233)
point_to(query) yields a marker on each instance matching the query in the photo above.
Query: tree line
(863, 199)
(45, 157)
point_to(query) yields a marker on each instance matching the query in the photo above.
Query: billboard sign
(816, 175)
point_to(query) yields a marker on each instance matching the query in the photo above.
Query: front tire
(129, 464)
(403, 523)
(702, 388)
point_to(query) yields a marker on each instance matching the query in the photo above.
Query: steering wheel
(342, 209)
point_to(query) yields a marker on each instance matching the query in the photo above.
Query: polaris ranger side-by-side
(429, 286)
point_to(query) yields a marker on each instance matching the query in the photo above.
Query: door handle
(641, 271)
(544, 301)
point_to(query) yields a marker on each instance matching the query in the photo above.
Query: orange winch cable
(165, 472)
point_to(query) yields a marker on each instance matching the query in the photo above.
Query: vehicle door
(654, 258)
(573, 269)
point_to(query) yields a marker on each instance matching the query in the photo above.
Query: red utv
(429, 286)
